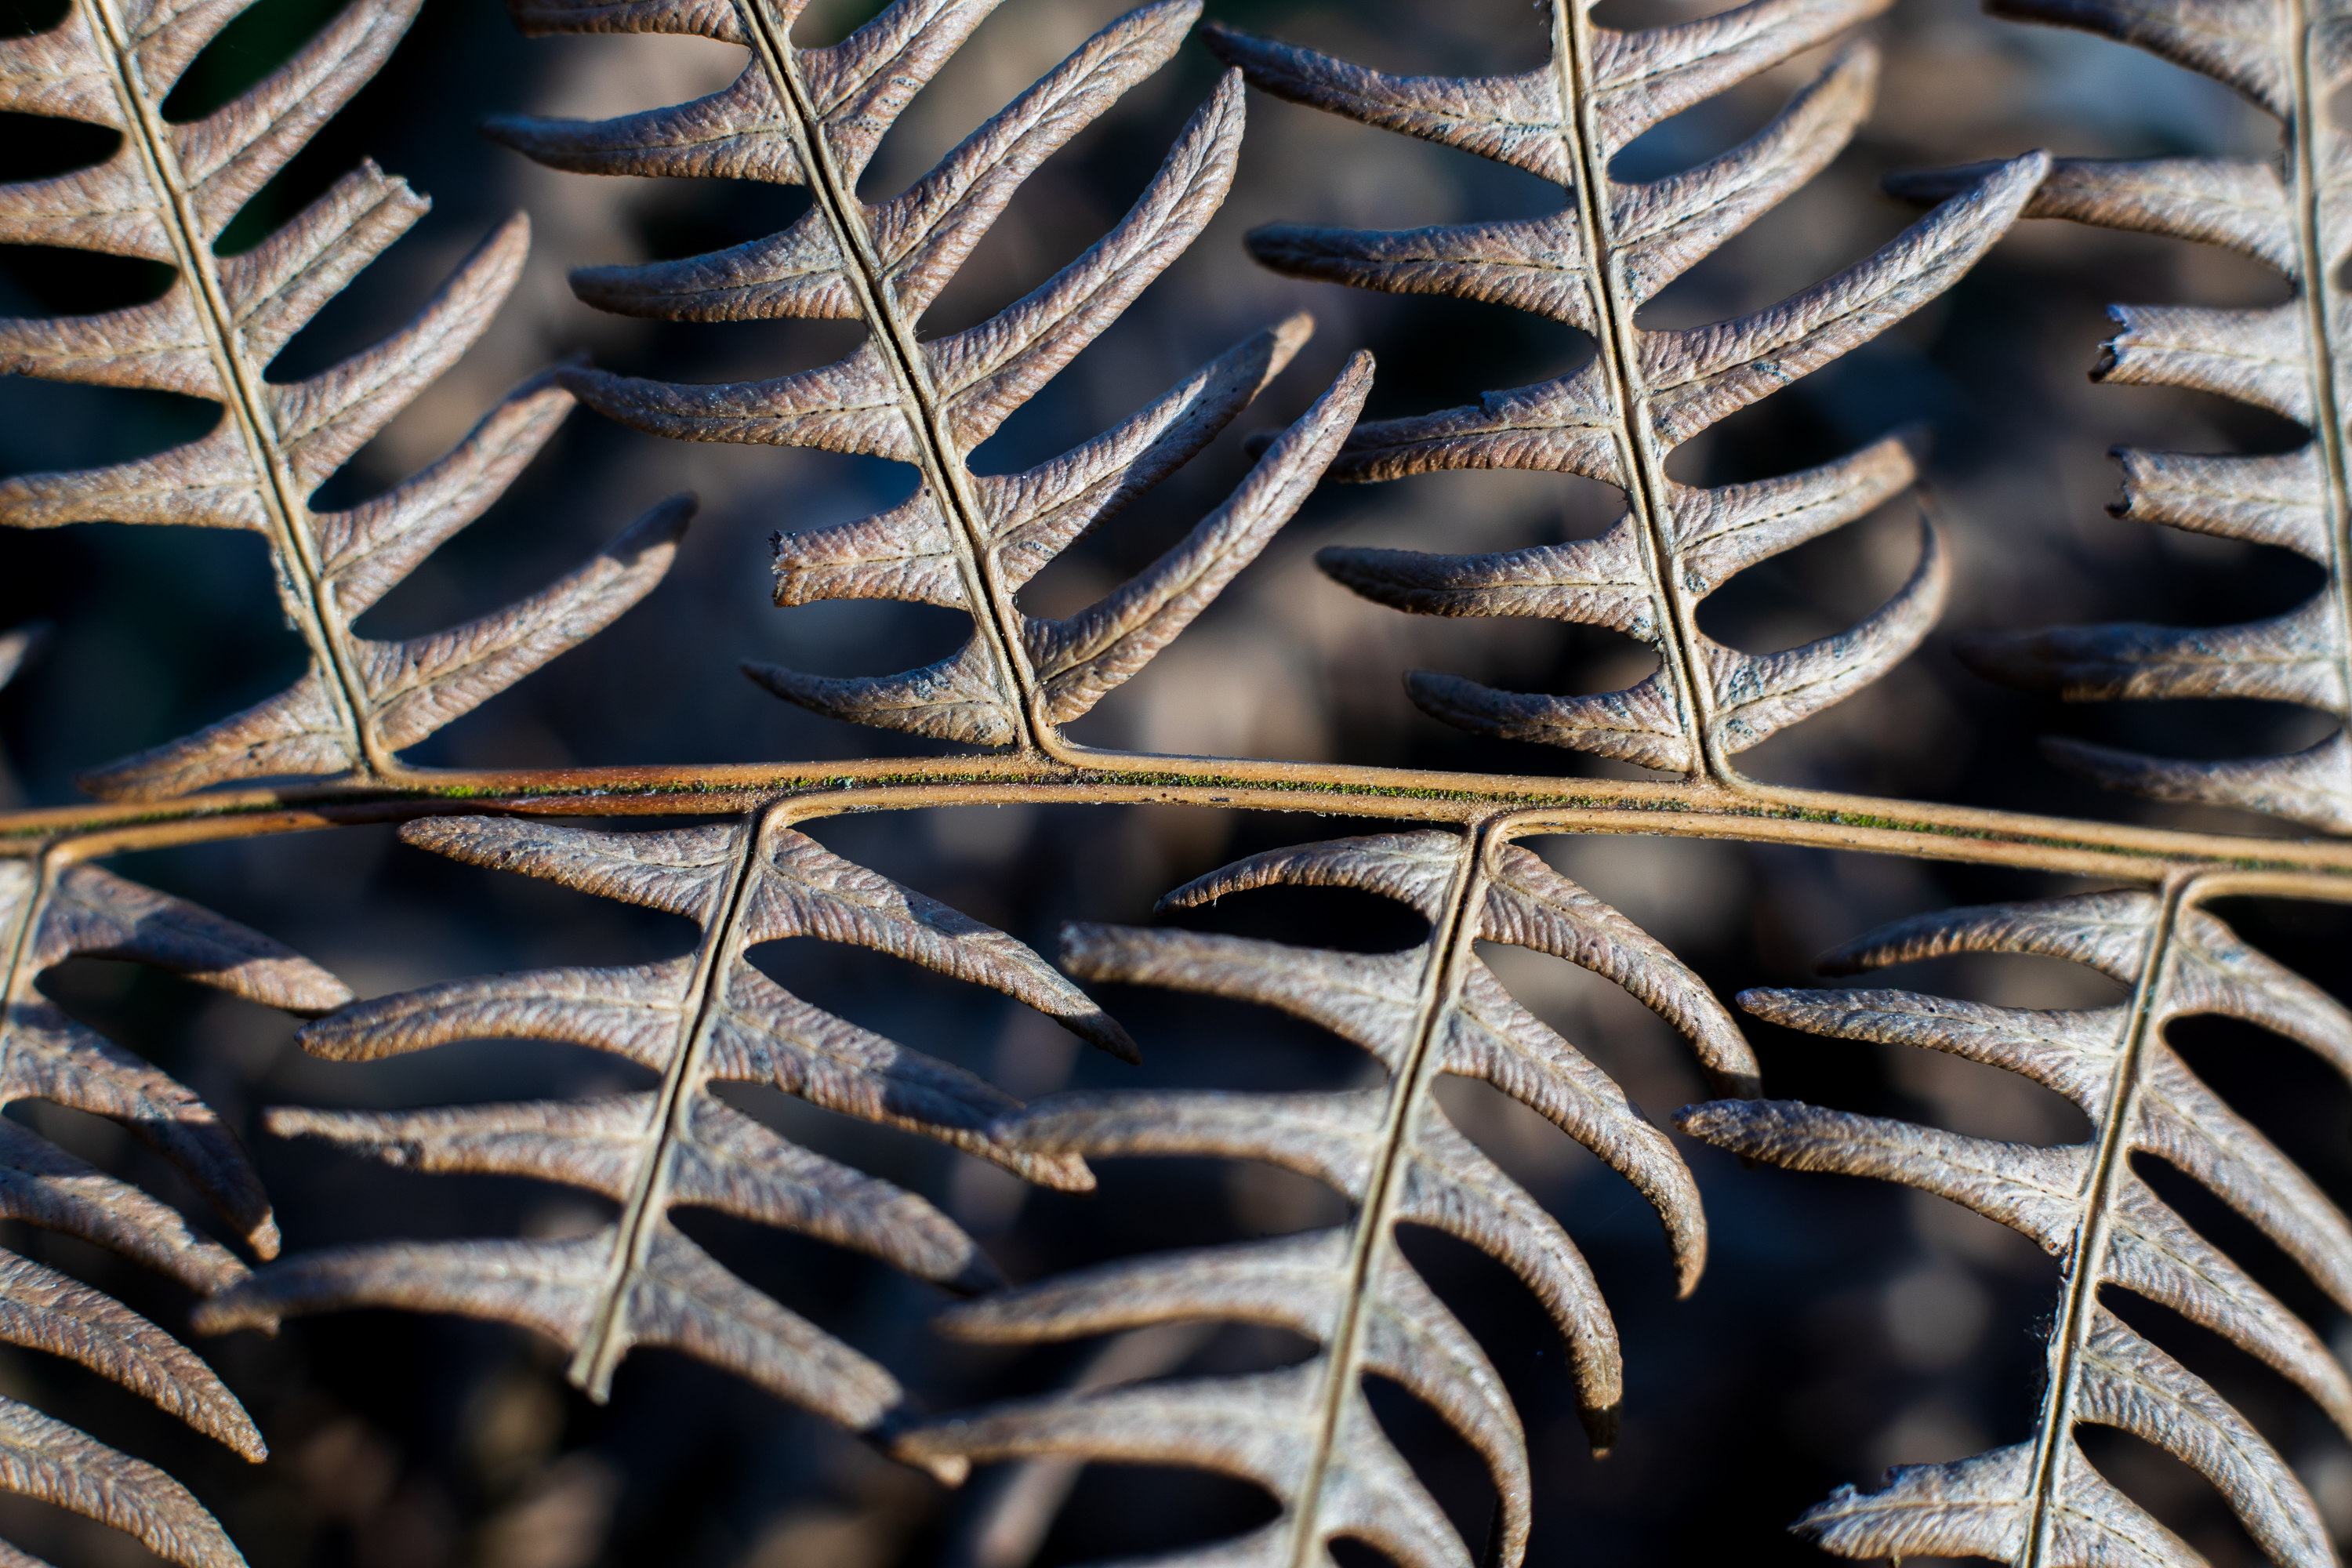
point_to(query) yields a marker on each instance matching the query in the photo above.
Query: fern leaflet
(967, 542)
(2038, 1502)
(2283, 212)
(1306, 1433)
(52, 909)
(167, 194)
(1591, 265)
(708, 1018)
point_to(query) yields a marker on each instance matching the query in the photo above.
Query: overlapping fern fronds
(2039, 1503)
(965, 541)
(166, 195)
(1591, 265)
(49, 912)
(971, 542)
(705, 1018)
(1306, 1433)
(2287, 213)
(52, 909)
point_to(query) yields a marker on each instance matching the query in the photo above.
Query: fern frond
(2286, 213)
(965, 541)
(1306, 1433)
(50, 911)
(708, 1017)
(44, 1458)
(2038, 1502)
(1591, 265)
(167, 194)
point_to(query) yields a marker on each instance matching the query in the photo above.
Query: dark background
(1843, 1326)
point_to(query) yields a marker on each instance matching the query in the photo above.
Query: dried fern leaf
(44, 1458)
(704, 1019)
(166, 195)
(965, 541)
(43, 1309)
(1306, 1433)
(1008, 1516)
(50, 910)
(2285, 212)
(50, 1057)
(1610, 250)
(2040, 1502)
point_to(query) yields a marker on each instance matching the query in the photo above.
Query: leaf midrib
(241, 380)
(2110, 1167)
(1373, 1237)
(606, 1343)
(2308, 867)
(1614, 340)
(2317, 295)
(993, 613)
(18, 978)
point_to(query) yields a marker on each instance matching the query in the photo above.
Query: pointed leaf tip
(1293, 332)
(1081, 659)
(1106, 1033)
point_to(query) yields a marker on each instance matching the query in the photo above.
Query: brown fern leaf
(1306, 1433)
(965, 541)
(2038, 1502)
(167, 194)
(51, 910)
(705, 1018)
(1610, 250)
(2287, 213)
(44, 1458)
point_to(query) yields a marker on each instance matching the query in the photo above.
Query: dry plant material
(1306, 1433)
(2285, 212)
(705, 1018)
(963, 540)
(1611, 248)
(971, 541)
(2038, 1502)
(167, 194)
(51, 910)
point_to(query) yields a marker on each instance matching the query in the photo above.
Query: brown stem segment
(1375, 1229)
(2314, 868)
(2110, 1163)
(1645, 478)
(241, 379)
(993, 611)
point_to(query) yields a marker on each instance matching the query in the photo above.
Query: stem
(1441, 983)
(2316, 869)
(607, 1339)
(1615, 339)
(2320, 304)
(993, 613)
(248, 406)
(2055, 1435)
(20, 976)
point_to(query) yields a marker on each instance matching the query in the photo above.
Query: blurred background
(1841, 1327)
